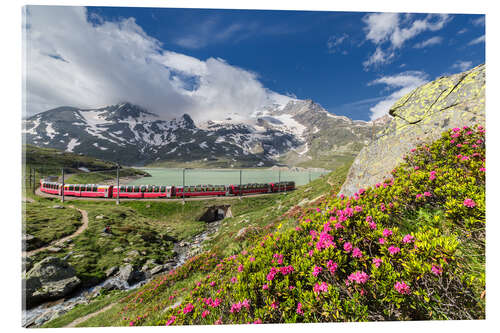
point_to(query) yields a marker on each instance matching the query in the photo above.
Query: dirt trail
(90, 315)
(85, 224)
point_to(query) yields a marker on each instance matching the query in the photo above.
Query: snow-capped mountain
(129, 134)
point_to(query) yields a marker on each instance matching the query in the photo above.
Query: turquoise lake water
(160, 176)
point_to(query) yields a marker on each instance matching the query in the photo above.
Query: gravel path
(90, 315)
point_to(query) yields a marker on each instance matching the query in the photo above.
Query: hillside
(299, 133)
(409, 248)
(84, 169)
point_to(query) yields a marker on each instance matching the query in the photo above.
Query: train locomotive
(162, 191)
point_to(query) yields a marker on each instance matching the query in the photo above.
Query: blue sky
(352, 63)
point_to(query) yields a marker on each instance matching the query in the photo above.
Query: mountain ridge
(298, 133)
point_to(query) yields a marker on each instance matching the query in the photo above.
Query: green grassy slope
(256, 215)
(410, 248)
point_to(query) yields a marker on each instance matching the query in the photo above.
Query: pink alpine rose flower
(347, 247)
(469, 203)
(436, 270)
(356, 253)
(402, 288)
(393, 249)
(408, 239)
(377, 262)
(317, 270)
(387, 232)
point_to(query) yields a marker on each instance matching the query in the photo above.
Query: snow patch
(72, 144)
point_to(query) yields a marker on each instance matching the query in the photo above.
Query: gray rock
(133, 253)
(54, 249)
(99, 217)
(49, 279)
(27, 263)
(118, 249)
(58, 207)
(149, 264)
(129, 274)
(111, 271)
(419, 117)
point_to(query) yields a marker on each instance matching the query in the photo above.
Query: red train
(162, 191)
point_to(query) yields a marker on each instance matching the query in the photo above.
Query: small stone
(54, 249)
(99, 217)
(118, 249)
(111, 271)
(58, 207)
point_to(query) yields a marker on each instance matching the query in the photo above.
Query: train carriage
(73, 189)
(95, 191)
(201, 190)
(50, 187)
(250, 188)
(282, 186)
(156, 191)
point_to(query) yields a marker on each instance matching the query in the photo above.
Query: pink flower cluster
(347, 247)
(387, 232)
(469, 203)
(320, 287)
(436, 270)
(188, 308)
(170, 321)
(356, 253)
(272, 274)
(286, 269)
(212, 303)
(236, 307)
(432, 175)
(325, 241)
(299, 309)
(332, 266)
(402, 288)
(359, 277)
(278, 257)
(393, 249)
(408, 239)
(317, 270)
(377, 262)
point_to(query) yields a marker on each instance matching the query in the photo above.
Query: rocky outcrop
(420, 116)
(49, 279)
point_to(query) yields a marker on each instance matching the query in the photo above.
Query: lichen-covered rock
(49, 279)
(420, 116)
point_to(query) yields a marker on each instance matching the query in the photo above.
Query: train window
(143, 189)
(136, 188)
(71, 187)
(94, 188)
(162, 188)
(129, 188)
(77, 187)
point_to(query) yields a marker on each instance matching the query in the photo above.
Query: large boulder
(420, 116)
(129, 274)
(49, 279)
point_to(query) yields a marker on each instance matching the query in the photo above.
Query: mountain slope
(298, 133)
(409, 248)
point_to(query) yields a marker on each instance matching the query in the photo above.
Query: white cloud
(72, 61)
(401, 84)
(462, 65)
(429, 42)
(389, 32)
(477, 40)
(479, 21)
(335, 41)
(461, 31)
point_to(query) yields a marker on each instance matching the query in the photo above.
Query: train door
(169, 191)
